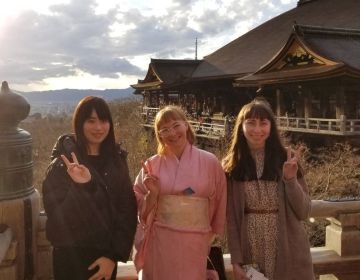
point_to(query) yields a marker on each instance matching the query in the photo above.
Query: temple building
(305, 62)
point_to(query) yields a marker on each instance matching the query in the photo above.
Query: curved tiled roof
(171, 70)
(329, 52)
(340, 45)
(249, 52)
(167, 72)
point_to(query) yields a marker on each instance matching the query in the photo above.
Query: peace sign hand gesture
(151, 181)
(78, 172)
(290, 166)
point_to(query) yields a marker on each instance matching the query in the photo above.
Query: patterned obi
(182, 212)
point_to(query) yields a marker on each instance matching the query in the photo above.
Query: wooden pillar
(166, 97)
(224, 105)
(324, 105)
(299, 105)
(350, 105)
(148, 99)
(279, 104)
(340, 102)
(181, 98)
(199, 101)
(157, 98)
(307, 103)
(357, 105)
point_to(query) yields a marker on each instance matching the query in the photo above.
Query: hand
(290, 166)
(78, 172)
(150, 181)
(106, 268)
(239, 273)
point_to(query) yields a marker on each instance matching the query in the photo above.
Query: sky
(107, 44)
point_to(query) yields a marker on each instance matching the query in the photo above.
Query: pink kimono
(168, 252)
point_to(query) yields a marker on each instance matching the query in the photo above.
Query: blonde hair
(170, 113)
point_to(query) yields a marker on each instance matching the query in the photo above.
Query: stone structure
(340, 258)
(19, 201)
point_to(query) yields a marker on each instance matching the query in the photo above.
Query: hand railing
(340, 126)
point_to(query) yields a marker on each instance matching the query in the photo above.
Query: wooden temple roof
(311, 53)
(165, 73)
(252, 50)
(327, 29)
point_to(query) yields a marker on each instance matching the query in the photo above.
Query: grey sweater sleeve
(297, 194)
(233, 226)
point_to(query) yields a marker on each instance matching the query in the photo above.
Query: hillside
(64, 100)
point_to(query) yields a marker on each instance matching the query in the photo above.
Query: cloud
(74, 36)
(153, 35)
(37, 46)
(173, 34)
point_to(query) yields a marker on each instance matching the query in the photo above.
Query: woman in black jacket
(88, 198)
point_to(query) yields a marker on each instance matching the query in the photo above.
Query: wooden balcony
(214, 130)
(220, 128)
(343, 126)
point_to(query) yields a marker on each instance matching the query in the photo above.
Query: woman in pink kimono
(181, 194)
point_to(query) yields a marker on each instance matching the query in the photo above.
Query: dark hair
(238, 162)
(81, 114)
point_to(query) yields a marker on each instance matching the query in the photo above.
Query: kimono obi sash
(182, 212)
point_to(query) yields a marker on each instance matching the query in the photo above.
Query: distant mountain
(64, 100)
(75, 95)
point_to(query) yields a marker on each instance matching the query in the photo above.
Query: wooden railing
(209, 130)
(341, 126)
(213, 130)
(148, 115)
(221, 127)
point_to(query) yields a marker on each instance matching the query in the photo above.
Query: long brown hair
(82, 112)
(238, 162)
(166, 114)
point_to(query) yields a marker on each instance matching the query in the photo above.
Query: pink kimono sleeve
(141, 193)
(144, 226)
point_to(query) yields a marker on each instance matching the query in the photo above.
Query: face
(173, 134)
(95, 131)
(256, 131)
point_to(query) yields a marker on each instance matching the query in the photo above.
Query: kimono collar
(185, 154)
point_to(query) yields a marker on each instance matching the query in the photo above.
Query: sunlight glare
(87, 81)
(15, 7)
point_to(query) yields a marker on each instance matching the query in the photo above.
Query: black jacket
(101, 214)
